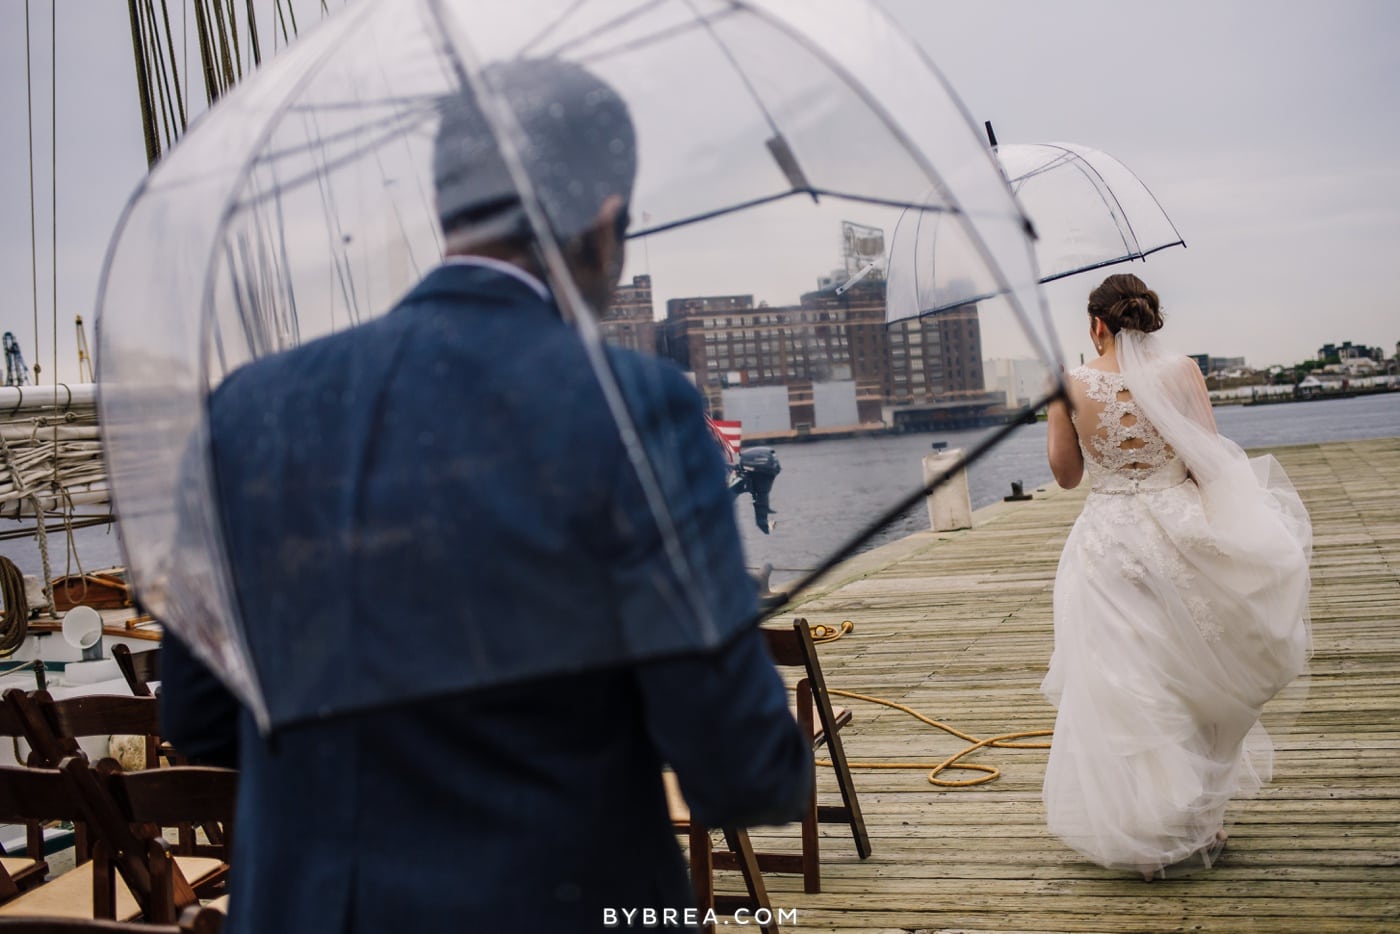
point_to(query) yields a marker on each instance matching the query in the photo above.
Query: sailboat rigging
(52, 475)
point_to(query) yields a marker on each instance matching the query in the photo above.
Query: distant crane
(84, 358)
(15, 373)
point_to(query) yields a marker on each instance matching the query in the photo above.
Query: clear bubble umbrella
(775, 144)
(1089, 211)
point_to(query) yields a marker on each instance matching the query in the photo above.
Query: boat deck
(958, 626)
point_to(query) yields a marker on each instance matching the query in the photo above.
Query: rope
(1002, 741)
(253, 35)
(160, 75)
(33, 238)
(225, 58)
(282, 19)
(14, 625)
(40, 532)
(31, 464)
(53, 189)
(206, 53)
(170, 45)
(823, 633)
(71, 558)
(150, 124)
(233, 33)
(41, 535)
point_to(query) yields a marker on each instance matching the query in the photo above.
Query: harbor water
(829, 490)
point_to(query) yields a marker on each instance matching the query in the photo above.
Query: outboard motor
(754, 474)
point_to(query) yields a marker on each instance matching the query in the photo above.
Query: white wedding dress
(1180, 610)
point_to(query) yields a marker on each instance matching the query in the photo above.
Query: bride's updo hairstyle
(1125, 301)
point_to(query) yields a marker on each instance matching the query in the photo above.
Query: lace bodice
(1122, 451)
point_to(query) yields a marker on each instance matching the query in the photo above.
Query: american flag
(727, 434)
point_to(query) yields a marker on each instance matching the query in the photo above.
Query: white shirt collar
(504, 268)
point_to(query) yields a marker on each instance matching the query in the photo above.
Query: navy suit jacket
(531, 804)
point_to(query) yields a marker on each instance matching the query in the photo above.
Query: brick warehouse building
(728, 341)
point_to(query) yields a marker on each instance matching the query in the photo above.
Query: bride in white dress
(1180, 603)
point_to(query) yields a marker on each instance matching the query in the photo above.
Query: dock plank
(958, 626)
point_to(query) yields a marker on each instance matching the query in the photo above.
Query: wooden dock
(958, 626)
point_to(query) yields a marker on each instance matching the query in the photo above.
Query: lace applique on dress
(1130, 459)
(1135, 448)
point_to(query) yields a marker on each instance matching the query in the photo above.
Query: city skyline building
(1209, 364)
(630, 320)
(923, 372)
(1346, 350)
(832, 335)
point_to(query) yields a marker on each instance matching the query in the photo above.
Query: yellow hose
(824, 633)
(1002, 741)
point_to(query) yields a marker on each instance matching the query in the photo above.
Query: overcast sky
(1267, 131)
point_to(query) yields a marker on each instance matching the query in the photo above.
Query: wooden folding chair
(127, 810)
(138, 668)
(176, 796)
(704, 861)
(819, 719)
(30, 869)
(141, 670)
(54, 727)
(35, 794)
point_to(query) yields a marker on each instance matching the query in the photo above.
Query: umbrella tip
(991, 134)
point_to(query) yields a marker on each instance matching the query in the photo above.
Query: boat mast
(222, 43)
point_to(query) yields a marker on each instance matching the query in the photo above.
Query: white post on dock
(950, 506)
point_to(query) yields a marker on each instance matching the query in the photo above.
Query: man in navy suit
(436, 531)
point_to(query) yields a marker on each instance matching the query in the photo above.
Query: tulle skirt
(1173, 627)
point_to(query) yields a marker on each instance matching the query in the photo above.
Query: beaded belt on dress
(1137, 487)
(1164, 478)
